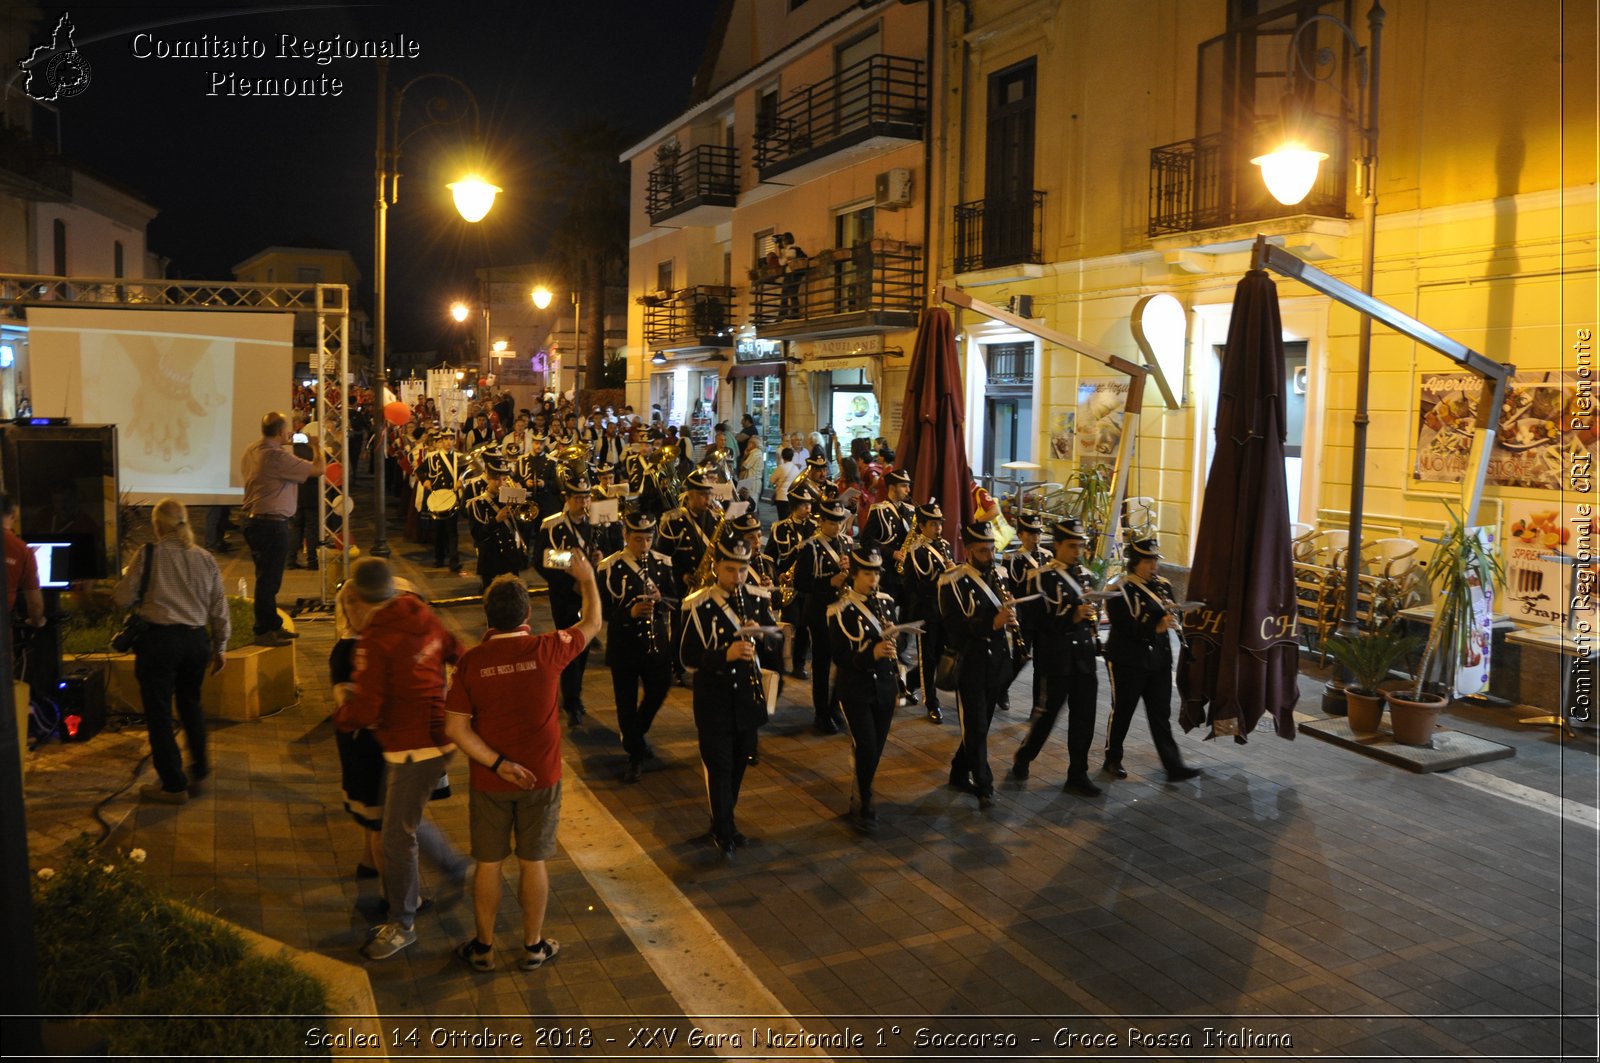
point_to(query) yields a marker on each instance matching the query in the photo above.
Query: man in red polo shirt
(22, 568)
(501, 712)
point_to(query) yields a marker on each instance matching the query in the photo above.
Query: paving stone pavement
(1296, 891)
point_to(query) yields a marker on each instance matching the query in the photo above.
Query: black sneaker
(1019, 769)
(1082, 786)
(1183, 774)
(633, 773)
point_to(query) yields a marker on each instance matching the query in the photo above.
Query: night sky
(232, 175)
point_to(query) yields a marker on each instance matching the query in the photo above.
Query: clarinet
(752, 677)
(1163, 590)
(653, 635)
(878, 610)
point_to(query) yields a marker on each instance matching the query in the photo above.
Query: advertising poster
(1472, 655)
(1537, 590)
(1101, 406)
(855, 416)
(1536, 442)
(1061, 434)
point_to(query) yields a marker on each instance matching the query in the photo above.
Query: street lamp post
(1289, 173)
(473, 197)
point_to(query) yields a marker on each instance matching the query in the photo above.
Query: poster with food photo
(1538, 583)
(1539, 435)
(1101, 406)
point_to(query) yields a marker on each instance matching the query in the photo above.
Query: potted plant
(1369, 657)
(1463, 565)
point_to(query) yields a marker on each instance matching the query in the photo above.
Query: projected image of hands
(171, 395)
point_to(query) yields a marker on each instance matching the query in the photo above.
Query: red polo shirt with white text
(509, 685)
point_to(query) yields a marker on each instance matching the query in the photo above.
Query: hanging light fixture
(474, 196)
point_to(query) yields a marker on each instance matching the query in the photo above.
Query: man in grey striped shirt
(272, 478)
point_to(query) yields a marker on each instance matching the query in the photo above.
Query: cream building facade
(810, 119)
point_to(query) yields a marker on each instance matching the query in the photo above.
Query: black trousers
(931, 645)
(822, 694)
(724, 754)
(868, 701)
(565, 609)
(1077, 691)
(446, 541)
(303, 531)
(269, 549)
(1154, 686)
(170, 663)
(981, 683)
(800, 645)
(634, 715)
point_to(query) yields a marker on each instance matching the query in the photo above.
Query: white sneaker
(388, 939)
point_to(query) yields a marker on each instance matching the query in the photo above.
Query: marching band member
(1020, 564)
(639, 644)
(685, 536)
(440, 472)
(568, 529)
(543, 476)
(1139, 661)
(816, 478)
(1066, 643)
(975, 606)
(868, 678)
(927, 557)
(501, 548)
(788, 535)
(729, 699)
(819, 574)
(608, 536)
(888, 526)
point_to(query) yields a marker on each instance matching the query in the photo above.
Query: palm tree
(591, 237)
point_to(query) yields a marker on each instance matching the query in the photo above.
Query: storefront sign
(842, 346)
(1539, 437)
(758, 351)
(1101, 406)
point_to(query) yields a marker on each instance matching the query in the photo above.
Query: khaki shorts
(530, 815)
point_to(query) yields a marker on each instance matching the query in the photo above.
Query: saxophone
(704, 576)
(912, 542)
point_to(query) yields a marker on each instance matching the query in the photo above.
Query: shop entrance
(1008, 426)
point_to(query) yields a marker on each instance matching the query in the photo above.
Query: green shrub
(90, 632)
(104, 933)
(198, 1014)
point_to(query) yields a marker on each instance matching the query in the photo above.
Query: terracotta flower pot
(1363, 709)
(1413, 720)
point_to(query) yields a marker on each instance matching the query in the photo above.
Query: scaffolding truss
(329, 304)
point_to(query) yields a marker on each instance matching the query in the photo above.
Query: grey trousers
(405, 802)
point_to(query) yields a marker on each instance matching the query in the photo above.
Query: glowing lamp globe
(458, 311)
(1290, 171)
(541, 297)
(474, 196)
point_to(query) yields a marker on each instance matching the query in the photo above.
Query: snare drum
(442, 501)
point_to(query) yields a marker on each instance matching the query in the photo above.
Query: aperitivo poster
(1538, 437)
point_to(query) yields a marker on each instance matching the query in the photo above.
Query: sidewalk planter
(1414, 716)
(259, 680)
(1364, 711)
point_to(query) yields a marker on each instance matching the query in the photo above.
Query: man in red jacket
(502, 713)
(399, 691)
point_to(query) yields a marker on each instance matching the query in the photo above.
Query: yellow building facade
(1144, 115)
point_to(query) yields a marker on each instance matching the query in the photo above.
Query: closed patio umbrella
(1241, 658)
(932, 447)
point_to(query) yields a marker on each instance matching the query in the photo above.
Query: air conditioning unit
(893, 189)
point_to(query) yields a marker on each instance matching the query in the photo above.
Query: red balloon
(397, 413)
(335, 474)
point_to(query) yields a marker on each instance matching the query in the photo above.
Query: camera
(558, 559)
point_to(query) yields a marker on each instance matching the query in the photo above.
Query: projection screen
(185, 388)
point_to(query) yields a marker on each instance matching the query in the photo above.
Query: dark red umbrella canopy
(932, 447)
(1241, 655)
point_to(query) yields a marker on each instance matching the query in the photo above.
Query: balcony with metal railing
(697, 318)
(698, 187)
(876, 104)
(1001, 231)
(1208, 182)
(875, 284)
